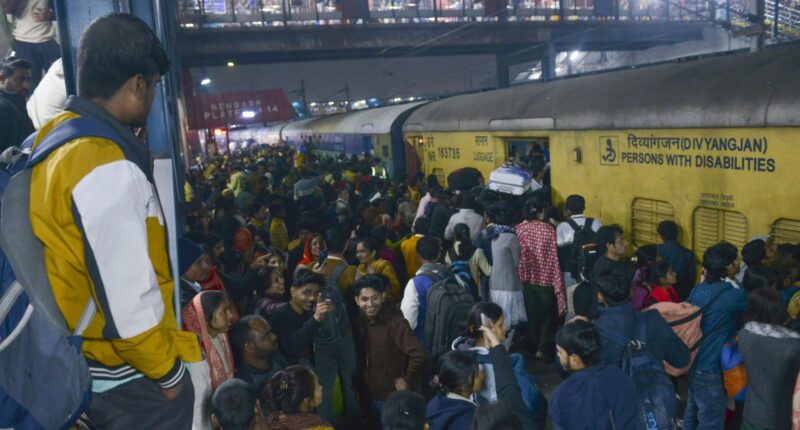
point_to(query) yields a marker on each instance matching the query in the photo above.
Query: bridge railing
(219, 13)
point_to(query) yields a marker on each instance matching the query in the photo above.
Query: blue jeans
(705, 408)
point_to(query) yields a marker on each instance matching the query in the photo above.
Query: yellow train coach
(713, 144)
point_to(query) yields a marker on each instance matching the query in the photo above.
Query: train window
(523, 147)
(786, 230)
(645, 216)
(712, 226)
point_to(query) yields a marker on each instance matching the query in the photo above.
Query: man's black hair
(304, 277)
(576, 204)
(668, 230)
(754, 252)
(716, 260)
(607, 235)
(764, 305)
(429, 248)
(241, 333)
(422, 226)
(10, 64)
(432, 181)
(580, 338)
(614, 286)
(233, 404)
(369, 281)
(500, 213)
(404, 410)
(114, 49)
(335, 240)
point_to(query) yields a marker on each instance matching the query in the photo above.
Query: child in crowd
(662, 284)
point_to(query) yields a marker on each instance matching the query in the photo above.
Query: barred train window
(712, 226)
(786, 230)
(645, 216)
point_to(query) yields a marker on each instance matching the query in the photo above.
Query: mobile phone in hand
(323, 257)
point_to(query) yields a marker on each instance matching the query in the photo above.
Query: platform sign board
(252, 107)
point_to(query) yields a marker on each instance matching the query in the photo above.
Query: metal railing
(784, 19)
(220, 13)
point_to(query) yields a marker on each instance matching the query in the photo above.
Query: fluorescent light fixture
(231, 64)
(205, 81)
(248, 114)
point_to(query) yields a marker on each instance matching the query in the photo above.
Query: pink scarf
(195, 320)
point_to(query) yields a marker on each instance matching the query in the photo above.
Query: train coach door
(523, 149)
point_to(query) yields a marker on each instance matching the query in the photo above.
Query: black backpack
(583, 252)
(447, 309)
(654, 389)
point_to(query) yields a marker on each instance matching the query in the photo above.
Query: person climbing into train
(103, 231)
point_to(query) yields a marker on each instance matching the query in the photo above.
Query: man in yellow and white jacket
(95, 208)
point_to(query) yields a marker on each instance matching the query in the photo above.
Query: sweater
(469, 217)
(772, 356)
(388, 349)
(295, 333)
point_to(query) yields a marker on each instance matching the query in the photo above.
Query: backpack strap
(613, 336)
(23, 249)
(573, 224)
(337, 272)
(588, 224)
(66, 132)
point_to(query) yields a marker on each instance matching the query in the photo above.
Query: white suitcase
(510, 180)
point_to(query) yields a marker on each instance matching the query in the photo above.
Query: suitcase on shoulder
(510, 180)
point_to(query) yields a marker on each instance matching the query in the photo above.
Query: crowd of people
(320, 293)
(366, 250)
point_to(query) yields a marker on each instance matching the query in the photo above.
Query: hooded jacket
(99, 218)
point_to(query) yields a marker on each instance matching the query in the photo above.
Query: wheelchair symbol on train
(609, 149)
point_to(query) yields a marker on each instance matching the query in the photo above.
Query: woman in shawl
(314, 245)
(209, 316)
(502, 244)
